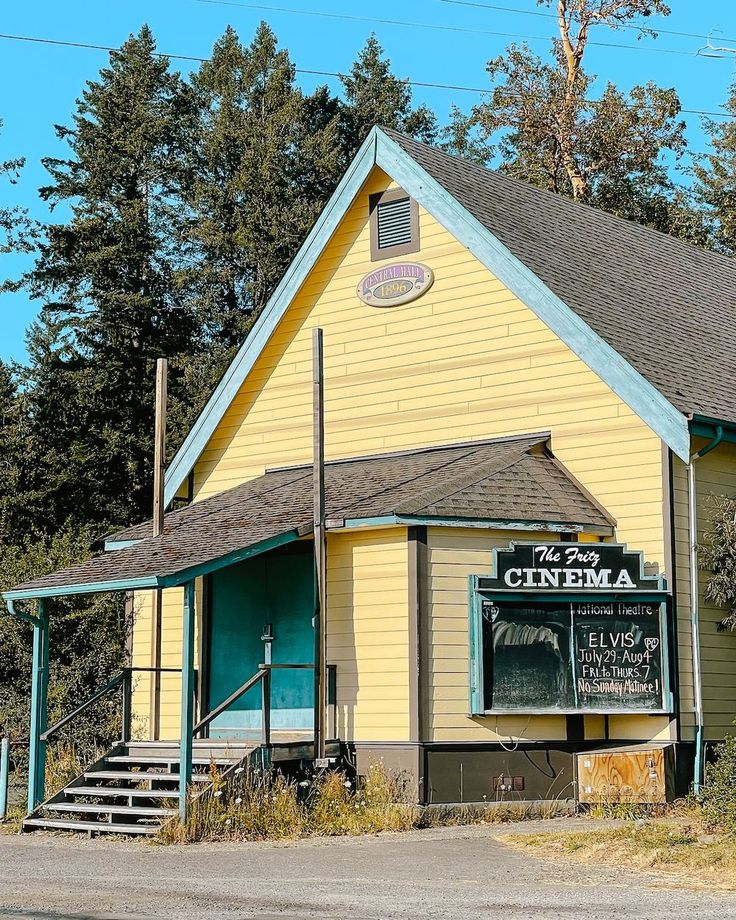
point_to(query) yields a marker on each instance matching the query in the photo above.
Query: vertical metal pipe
(159, 472)
(4, 775)
(320, 548)
(39, 692)
(127, 705)
(187, 698)
(695, 623)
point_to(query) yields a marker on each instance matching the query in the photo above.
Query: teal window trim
(476, 671)
(475, 664)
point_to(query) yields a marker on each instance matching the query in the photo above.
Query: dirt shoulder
(677, 848)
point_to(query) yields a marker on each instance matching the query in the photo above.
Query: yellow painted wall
(454, 555)
(171, 634)
(467, 360)
(368, 632)
(715, 474)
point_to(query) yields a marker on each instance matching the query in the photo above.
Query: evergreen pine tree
(266, 163)
(374, 96)
(107, 280)
(715, 176)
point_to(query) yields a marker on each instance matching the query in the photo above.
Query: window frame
(476, 683)
(388, 252)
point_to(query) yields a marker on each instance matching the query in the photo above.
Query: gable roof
(652, 316)
(666, 306)
(504, 482)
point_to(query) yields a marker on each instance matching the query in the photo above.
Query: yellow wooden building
(504, 370)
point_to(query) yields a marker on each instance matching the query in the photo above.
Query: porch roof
(514, 481)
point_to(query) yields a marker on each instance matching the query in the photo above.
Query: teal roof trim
(378, 149)
(175, 579)
(95, 587)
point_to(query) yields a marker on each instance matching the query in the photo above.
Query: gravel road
(424, 875)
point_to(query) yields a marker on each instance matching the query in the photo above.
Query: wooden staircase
(134, 788)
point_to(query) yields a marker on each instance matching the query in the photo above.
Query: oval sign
(395, 284)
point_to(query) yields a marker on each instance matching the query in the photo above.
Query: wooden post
(187, 698)
(159, 471)
(320, 547)
(39, 692)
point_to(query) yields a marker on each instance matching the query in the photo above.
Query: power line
(319, 73)
(513, 9)
(426, 25)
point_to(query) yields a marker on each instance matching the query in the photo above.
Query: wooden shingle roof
(501, 481)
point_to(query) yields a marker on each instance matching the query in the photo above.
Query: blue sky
(449, 42)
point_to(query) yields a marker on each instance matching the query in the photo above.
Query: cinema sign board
(569, 568)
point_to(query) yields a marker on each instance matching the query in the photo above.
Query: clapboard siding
(715, 474)
(468, 360)
(171, 635)
(368, 632)
(453, 555)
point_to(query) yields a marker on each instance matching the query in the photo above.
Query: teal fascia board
(152, 581)
(112, 545)
(95, 587)
(628, 384)
(408, 520)
(703, 427)
(296, 274)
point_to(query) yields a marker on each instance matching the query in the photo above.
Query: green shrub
(718, 795)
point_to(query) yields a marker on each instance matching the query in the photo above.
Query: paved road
(426, 875)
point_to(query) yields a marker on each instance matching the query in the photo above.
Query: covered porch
(242, 563)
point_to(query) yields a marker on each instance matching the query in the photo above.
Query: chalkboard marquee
(567, 627)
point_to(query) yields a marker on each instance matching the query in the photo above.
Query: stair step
(143, 775)
(150, 811)
(69, 824)
(118, 792)
(196, 761)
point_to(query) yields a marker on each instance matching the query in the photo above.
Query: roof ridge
(536, 436)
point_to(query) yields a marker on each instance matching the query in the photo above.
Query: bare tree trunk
(573, 58)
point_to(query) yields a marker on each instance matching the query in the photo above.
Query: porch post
(187, 698)
(39, 692)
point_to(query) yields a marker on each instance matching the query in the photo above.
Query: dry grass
(679, 843)
(267, 806)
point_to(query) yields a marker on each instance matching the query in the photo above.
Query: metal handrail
(263, 676)
(122, 678)
(113, 684)
(225, 704)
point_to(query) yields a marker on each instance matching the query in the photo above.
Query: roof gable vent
(394, 223)
(394, 220)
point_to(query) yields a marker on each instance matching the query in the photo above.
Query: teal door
(276, 589)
